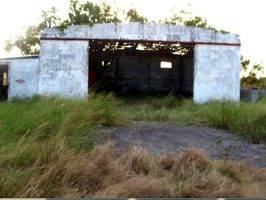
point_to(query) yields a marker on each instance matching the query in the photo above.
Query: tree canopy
(89, 14)
(251, 80)
(28, 42)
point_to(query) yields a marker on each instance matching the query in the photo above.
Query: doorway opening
(4, 82)
(143, 67)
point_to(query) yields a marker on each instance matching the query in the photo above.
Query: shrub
(219, 114)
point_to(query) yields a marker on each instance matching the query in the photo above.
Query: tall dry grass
(104, 172)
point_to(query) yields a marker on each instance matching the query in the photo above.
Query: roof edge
(19, 57)
(143, 32)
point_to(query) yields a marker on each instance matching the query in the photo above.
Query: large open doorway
(130, 67)
(3, 82)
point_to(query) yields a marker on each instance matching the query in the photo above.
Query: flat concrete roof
(142, 32)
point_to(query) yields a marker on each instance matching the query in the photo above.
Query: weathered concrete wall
(149, 32)
(142, 71)
(134, 70)
(23, 77)
(252, 95)
(217, 73)
(64, 69)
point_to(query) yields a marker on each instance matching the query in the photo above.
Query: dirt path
(164, 138)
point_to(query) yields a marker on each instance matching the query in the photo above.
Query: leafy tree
(187, 19)
(87, 13)
(133, 16)
(253, 70)
(251, 80)
(198, 22)
(90, 13)
(29, 42)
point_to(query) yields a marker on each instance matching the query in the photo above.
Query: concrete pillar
(216, 73)
(64, 68)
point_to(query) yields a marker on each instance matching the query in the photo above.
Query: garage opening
(3, 82)
(130, 67)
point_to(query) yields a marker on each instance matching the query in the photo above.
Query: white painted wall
(23, 77)
(217, 73)
(64, 68)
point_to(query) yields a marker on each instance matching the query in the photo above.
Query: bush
(253, 82)
(219, 115)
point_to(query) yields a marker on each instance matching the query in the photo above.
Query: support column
(216, 73)
(64, 68)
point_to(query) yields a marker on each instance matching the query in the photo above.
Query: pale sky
(244, 17)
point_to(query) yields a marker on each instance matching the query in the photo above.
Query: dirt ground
(166, 138)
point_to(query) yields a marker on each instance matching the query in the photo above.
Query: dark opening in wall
(3, 82)
(141, 67)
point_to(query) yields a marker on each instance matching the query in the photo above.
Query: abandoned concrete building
(192, 61)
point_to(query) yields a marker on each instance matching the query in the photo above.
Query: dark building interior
(3, 82)
(129, 69)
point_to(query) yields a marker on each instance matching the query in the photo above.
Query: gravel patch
(166, 138)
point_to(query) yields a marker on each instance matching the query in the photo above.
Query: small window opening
(166, 65)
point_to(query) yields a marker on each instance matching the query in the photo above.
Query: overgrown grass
(46, 143)
(42, 118)
(104, 172)
(247, 119)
